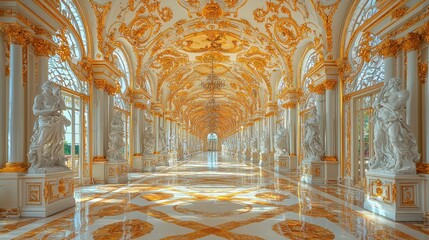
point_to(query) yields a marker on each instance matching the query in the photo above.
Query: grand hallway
(213, 196)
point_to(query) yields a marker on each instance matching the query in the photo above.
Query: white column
(292, 129)
(99, 129)
(389, 66)
(3, 105)
(413, 103)
(426, 112)
(16, 153)
(137, 131)
(330, 123)
(321, 112)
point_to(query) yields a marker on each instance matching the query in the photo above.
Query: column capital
(16, 34)
(388, 48)
(43, 47)
(330, 84)
(288, 105)
(411, 42)
(319, 89)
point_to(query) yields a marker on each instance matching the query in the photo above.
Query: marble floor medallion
(214, 197)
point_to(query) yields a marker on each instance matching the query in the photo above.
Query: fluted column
(137, 126)
(411, 46)
(426, 109)
(388, 49)
(3, 105)
(16, 127)
(330, 118)
(320, 102)
(99, 129)
(292, 129)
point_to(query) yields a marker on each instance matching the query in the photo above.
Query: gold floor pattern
(214, 196)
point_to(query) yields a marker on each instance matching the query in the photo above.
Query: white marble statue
(148, 140)
(162, 137)
(395, 146)
(115, 151)
(46, 153)
(312, 144)
(254, 144)
(265, 141)
(280, 142)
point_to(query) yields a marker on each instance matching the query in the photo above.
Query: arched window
(366, 70)
(120, 100)
(66, 71)
(212, 142)
(310, 60)
(308, 100)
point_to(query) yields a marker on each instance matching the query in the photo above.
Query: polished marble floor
(213, 196)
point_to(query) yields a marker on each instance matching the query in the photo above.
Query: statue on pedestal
(394, 144)
(148, 140)
(115, 151)
(265, 141)
(280, 142)
(162, 140)
(312, 144)
(254, 144)
(46, 153)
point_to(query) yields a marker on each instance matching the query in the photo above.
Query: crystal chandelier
(212, 82)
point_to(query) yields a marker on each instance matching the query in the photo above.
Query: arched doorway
(212, 142)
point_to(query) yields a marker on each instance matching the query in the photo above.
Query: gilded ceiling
(254, 45)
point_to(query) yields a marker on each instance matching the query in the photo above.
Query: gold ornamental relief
(212, 40)
(212, 11)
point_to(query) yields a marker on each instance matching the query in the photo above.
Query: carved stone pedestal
(246, 155)
(145, 163)
(283, 163)
(265, 159)
(10, 195)
(117, 172)
(99, 172)
(319, 172)
(312, 172)
(255, 158)
(47, 194)
(398, 197)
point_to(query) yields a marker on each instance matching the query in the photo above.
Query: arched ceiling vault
(253, 45)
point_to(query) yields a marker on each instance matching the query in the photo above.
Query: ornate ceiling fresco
(253, 44)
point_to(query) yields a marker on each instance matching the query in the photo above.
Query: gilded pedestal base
(117, 172)
(285, 163)
(145, 163)
(246, 155)
(319, 172)
(398, 197)
(265, 159)
(47, 194)
(254, 157)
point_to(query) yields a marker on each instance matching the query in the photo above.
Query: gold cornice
(411, 42)
(140, 106)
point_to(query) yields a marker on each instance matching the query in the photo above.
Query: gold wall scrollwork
(327, 13)
(101, 12)
(423, 70)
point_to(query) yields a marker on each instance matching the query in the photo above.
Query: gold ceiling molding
(211, 9)
(216, 56)
(281, 25)
(399, 12)
(212, 40)
(327, 12)
(101, 12)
